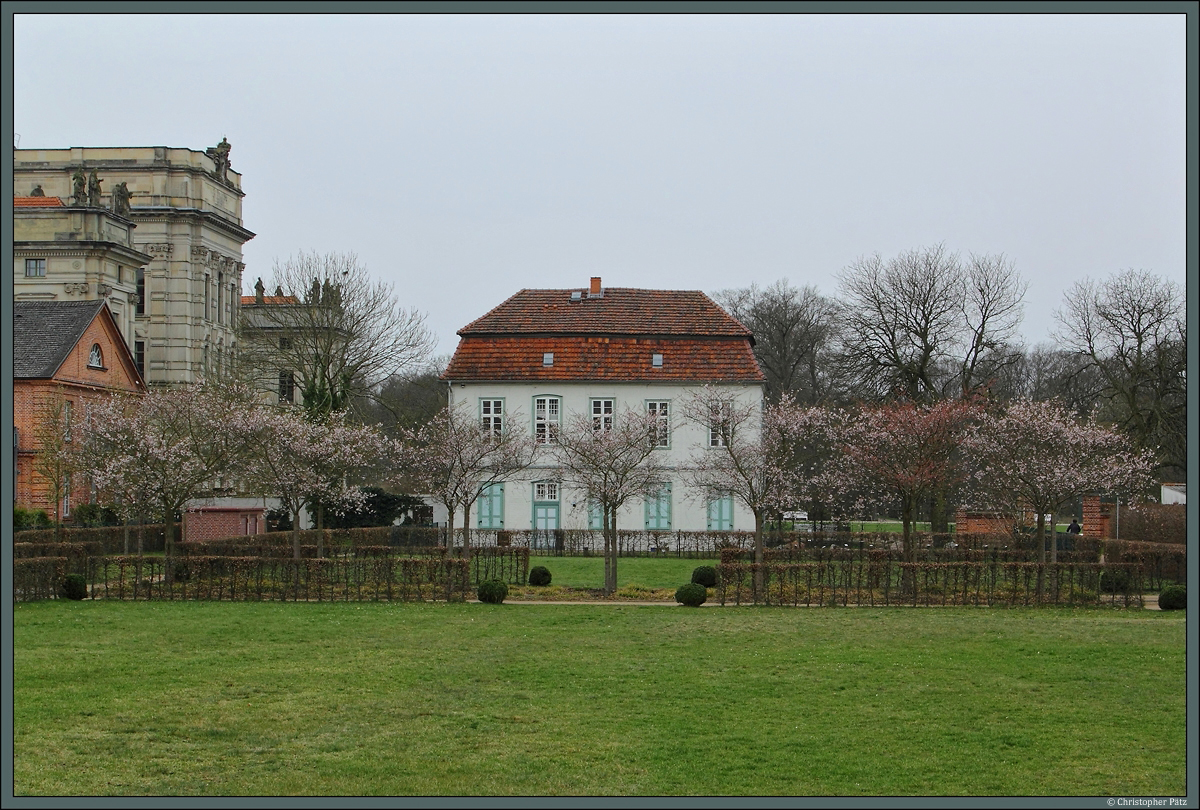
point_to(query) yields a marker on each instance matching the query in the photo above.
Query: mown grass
(646, 572)
(468, 699)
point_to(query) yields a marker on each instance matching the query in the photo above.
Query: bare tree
(926, 326)
(56, 459)
(331, 330)
(793, 328)
(1130, 330)
(454, 457)
(755, 454)
(407, 400)
(611, 462)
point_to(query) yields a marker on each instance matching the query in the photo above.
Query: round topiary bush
(1173, 597)
(705, 575)
(693, 594)
(539, 575)
(74, 586)
(492, 591)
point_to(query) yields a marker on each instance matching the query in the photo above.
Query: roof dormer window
(547, 358)
(656, 360)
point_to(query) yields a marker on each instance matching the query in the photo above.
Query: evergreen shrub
(74, 586)
(539, 575)
(705, 575)
(492, 591)
(1173, 597)
(692, 594)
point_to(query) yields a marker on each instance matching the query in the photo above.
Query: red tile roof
(628, 359)
(619, 311)
(37, 202)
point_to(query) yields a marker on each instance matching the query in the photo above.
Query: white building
(545, 355)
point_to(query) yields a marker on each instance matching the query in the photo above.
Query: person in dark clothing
(1074, 528)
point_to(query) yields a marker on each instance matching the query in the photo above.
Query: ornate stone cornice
(76, 287)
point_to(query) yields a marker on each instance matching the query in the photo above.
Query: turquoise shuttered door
(658, 510)
(720, 514)
(491, 507)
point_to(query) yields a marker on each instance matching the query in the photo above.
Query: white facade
(540, 500)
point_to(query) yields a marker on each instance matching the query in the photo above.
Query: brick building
(66, 354)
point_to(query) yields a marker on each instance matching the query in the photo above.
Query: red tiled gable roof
(248, 300)
(37, 202)
(618, 311)
(627, 359)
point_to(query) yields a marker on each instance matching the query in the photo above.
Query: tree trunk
(939, 518)
(466, 547)
(449, 546)
(610, 551)
(168, 545)
(319, 508)
(908, 555)
(296, 533)
(1041, 536)
(758, 554)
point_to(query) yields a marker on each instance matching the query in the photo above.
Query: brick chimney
(594, 292)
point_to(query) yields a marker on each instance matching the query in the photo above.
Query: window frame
(724, 502)
(720, 412)
(494, 422)
(39, 266)
(602, 421)
(96, 357)
(663, 430)
(290, 377)
(551, 427)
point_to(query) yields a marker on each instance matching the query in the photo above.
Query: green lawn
(211, 698)
(646, 572)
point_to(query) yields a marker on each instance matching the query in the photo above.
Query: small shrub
(1115, 580)
(705, 575)
(182, 572)
(74, 586)
(539, 575)
(692, 594)
(1173, 597)
(492, 591)
(30, 519)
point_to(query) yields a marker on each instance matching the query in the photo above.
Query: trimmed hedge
(705, 575)
(539, 576)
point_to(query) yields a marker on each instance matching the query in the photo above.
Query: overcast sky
(466, 157)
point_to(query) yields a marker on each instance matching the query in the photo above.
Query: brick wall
(982, 523)
(216, 523)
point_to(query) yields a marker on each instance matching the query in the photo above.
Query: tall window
(602, 415)
(95, 357)
(491, 506)
(220, 298)
(492, 414)
(546, 419)
(68, 407)
(141, 291)
(718, 424)
(66, 509)
(207, 298)
(139, 356)
(35, 268)
(661, 411)
(595, 514)
(287, 386)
